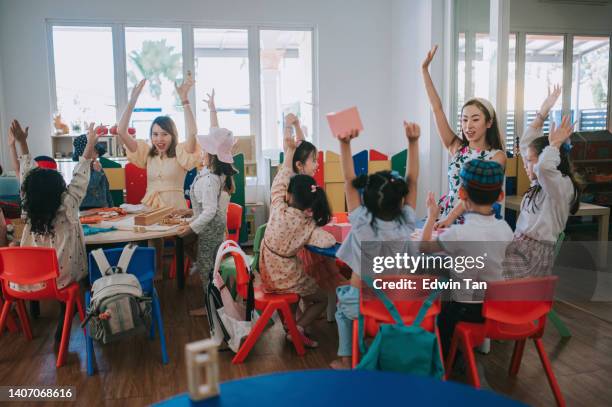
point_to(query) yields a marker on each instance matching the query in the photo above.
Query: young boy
(481, 235)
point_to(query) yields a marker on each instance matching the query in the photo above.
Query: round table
(353, 388)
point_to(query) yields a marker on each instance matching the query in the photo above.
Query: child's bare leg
(316, 304)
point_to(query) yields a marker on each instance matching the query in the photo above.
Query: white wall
(353, 55)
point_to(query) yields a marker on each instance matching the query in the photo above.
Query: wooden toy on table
(360, 162)
(378, 156)
(152, 217)
(335, 196)
(398, 162)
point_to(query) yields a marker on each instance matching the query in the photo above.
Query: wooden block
(375, 166)
(511, 168)
(399, 161)
(116, 178)
(335, 196)
(331, 157)
(378, 156)
(246, 146)
(319, 175)
(106, 163)
(360, 162)
(152, 217)
(333, 172)
(522, 181)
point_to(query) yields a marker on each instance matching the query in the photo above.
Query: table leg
(603, 225)
(180, 263)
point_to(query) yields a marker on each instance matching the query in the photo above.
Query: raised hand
(550, 101)
(558, 135)
(347, 136)
(289, 143)
(211, 100)
(92, 133)
(413, 131)
(183, 89)
(429, 57)
(17, 132)
(291, 120)
(136, 90)
(432, 205)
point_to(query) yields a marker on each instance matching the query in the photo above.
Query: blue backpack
(401, 348)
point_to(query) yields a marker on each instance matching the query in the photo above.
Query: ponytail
(307, 195)
(220, 168)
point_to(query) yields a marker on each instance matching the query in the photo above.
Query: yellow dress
(165, 176)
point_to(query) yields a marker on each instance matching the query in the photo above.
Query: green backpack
(401, 348)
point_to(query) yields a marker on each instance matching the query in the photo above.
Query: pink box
(344, 121)
(338, 230)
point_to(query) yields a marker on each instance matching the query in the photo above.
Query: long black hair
(308, 195)
(565, 167)
(302, 153)
(167, 124)
(42, 192)
(493, 135)
(383, 192)
(218, 167)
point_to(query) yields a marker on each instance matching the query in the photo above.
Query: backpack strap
(425, 307)
(126, 256)
(385, 300)
(101, 261)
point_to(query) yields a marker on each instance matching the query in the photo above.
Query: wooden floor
(131, 373)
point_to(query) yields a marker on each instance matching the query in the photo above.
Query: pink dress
(287, 232)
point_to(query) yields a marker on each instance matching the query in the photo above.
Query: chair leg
(61, 358)
(160, 327)
(517, 356)
(256, 331)
(355, 353)
(23, 318)
(6, 307)
(552, 380)
(292, 327)
(468, 349)
(450, 358)
(89, 344)
(559, 324)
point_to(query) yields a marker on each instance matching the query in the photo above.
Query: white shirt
(479, 234)
(207, 198)
(545, 218)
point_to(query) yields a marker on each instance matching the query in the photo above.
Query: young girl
(52, 212)
(480, 139)
(385, 214)
(210, 195)
(553, 195)
(98, 190)
(297, 210)
(167, 161)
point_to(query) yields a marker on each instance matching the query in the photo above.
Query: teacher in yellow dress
(165, 159)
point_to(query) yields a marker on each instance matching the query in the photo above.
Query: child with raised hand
(480, 139)
(481, 187)
(553, 195)
(385, 214)
(52, 211)
(298, 209)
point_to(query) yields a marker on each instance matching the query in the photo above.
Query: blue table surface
(353, 388)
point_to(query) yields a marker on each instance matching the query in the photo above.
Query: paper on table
(128, 224)
(344, 121)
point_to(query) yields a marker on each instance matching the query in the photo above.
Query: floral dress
(447, 202)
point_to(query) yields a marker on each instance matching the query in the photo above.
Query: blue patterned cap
(483, 175)
(79, 144)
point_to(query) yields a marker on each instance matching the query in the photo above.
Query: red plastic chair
(510, 309)
(34, 265)
(234, 221)
(268, 304)
(135, 183)
(11, 325)
(375, 313)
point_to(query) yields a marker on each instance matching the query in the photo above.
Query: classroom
(325, 202)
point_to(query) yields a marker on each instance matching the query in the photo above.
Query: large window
(155, 54)
(591, 60)
(84, 75)
(222, 62)
(286, 84)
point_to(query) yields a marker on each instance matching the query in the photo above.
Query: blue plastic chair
(142, 265)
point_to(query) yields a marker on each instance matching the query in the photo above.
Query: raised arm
(122, 128)
(353, 200)
(80, 176)
(534, 130)
(447, 135)
(427, 244)
(413, 132)
(212, 108)
(549, 176)
(190, 122)
(17, 134)
(292, 120)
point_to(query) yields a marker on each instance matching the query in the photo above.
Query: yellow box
(116, 178)
(332, 172)
(375, 166)
(335, 196)
(331, 157)
(511, 164)
(522, 181)
(246, 146)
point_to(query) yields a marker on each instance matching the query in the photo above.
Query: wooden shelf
(593, 161)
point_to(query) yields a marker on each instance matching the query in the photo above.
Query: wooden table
(602, 213)
(125, 236)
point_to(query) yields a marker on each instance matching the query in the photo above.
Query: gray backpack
(118, 307)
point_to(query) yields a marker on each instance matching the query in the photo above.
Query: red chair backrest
(135, 183)
(27, 266)
(375, 312)
(511, 306)
(242, 275)
(234, 221)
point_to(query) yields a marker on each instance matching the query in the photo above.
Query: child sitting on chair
(98, 189)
